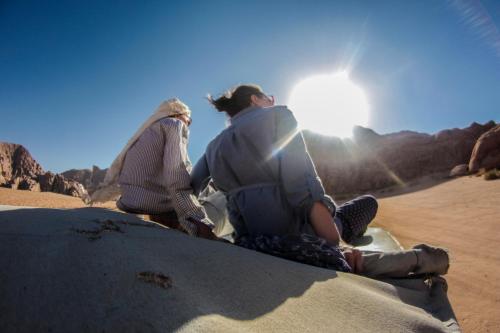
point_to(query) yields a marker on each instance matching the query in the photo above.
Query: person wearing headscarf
(153, 173)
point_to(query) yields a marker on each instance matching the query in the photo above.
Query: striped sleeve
(178, 179)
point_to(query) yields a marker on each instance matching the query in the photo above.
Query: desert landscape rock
(89, 178)
(94, 270)
(459, 170)
(486, 153)
(16, 162)
(370, 161)
(19, 170)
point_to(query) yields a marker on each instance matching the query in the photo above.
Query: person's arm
(301, 183)
(190, 213)
(200, 176)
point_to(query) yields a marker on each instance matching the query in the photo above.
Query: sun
(329, 104)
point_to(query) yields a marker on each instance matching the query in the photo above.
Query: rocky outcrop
(16, 162)
(459, 170)
(89, 178)
(370, 161)
(486, 153)
(18, 170)
(95, 270)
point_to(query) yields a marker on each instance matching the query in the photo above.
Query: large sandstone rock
(459, 170)
(370, 161)
(69, 187)
(46, 181)
(18, 170)
(16, 161)
(94, 270)
(29, 184)
(88, 178)
(486, 153)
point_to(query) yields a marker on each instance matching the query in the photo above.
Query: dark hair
(236, 99)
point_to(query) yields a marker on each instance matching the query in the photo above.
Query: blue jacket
(262, 165)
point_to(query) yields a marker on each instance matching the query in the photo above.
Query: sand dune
(464, 216)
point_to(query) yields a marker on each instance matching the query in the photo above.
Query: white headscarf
(168, 108)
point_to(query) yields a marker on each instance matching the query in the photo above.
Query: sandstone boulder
(460, 170)
(94, 270)
(69, 187)
(29, 184)
(90, 179)
(486, 153)
(16, 161)
(46, 181)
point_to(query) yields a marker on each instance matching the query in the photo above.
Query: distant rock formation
(89, 178)
(18, 170)
(486, 153)
(92, 179)
(370, 161)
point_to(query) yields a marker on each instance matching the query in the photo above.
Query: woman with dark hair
(261, 162)
(272, 189)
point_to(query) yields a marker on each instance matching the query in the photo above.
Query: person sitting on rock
(153, 173)
(276, 202)
(262, 165)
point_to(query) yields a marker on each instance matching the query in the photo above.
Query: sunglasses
(270, 98)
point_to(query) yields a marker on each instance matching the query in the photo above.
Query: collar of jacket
(243, 112)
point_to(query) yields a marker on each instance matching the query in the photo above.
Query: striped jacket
(155, 177)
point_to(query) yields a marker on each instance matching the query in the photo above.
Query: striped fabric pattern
(155, 177)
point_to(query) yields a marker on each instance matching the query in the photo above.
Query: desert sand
(38, 199)
(462, 215)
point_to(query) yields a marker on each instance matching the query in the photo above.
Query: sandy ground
(464, 216)
(38, 199)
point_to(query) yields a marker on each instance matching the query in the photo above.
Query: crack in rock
(104, 226)
(135, 224)
(158, 279)
(109, 225)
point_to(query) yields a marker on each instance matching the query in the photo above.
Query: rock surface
(16, 162)
(459, 170)
(18, 170)
(94, 270)
(486, 153)
(90, 178)
(370, 161)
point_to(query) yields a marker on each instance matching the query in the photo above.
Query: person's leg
(355, 215)
(168, 219)
(422, 259)
(388, 264)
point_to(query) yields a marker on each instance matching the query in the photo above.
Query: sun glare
(329, 104)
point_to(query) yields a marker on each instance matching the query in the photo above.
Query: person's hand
(204, 231)
(354, 259)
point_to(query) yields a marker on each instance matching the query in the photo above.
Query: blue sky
(77, 78)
